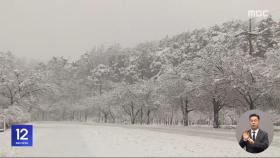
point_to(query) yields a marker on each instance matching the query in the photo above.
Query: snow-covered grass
(4, 146)
(91, 139)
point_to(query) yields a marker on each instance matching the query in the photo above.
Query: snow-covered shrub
(16, 114)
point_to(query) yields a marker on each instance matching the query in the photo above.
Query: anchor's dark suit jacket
(261, 142)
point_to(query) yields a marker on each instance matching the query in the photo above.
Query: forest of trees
(205, 76)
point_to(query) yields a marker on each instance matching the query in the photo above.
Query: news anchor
(254, 140)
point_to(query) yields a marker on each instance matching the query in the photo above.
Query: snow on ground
(74, 139)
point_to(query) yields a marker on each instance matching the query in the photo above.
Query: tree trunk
(100, 88)
(148, 116)
(186, 119)
(105, 117)
(132, 120)
(252, 106)
(172, 114)
(217, 108)
(185, 110)
(133, 114)
(216, 119)
(99, 116)
(141, 115)
(112, 116)
(86, 116)
(73, 116)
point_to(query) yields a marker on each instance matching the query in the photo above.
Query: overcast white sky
(40, 29)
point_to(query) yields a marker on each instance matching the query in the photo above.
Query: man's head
(254, 121)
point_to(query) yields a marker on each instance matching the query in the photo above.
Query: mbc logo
(257, 13)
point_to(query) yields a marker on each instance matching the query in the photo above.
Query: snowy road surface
(78, 139)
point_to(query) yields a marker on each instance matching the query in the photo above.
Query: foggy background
(40, 29)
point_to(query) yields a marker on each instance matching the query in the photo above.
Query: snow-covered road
(88, 139)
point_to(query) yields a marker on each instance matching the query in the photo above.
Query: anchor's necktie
(254, 136)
